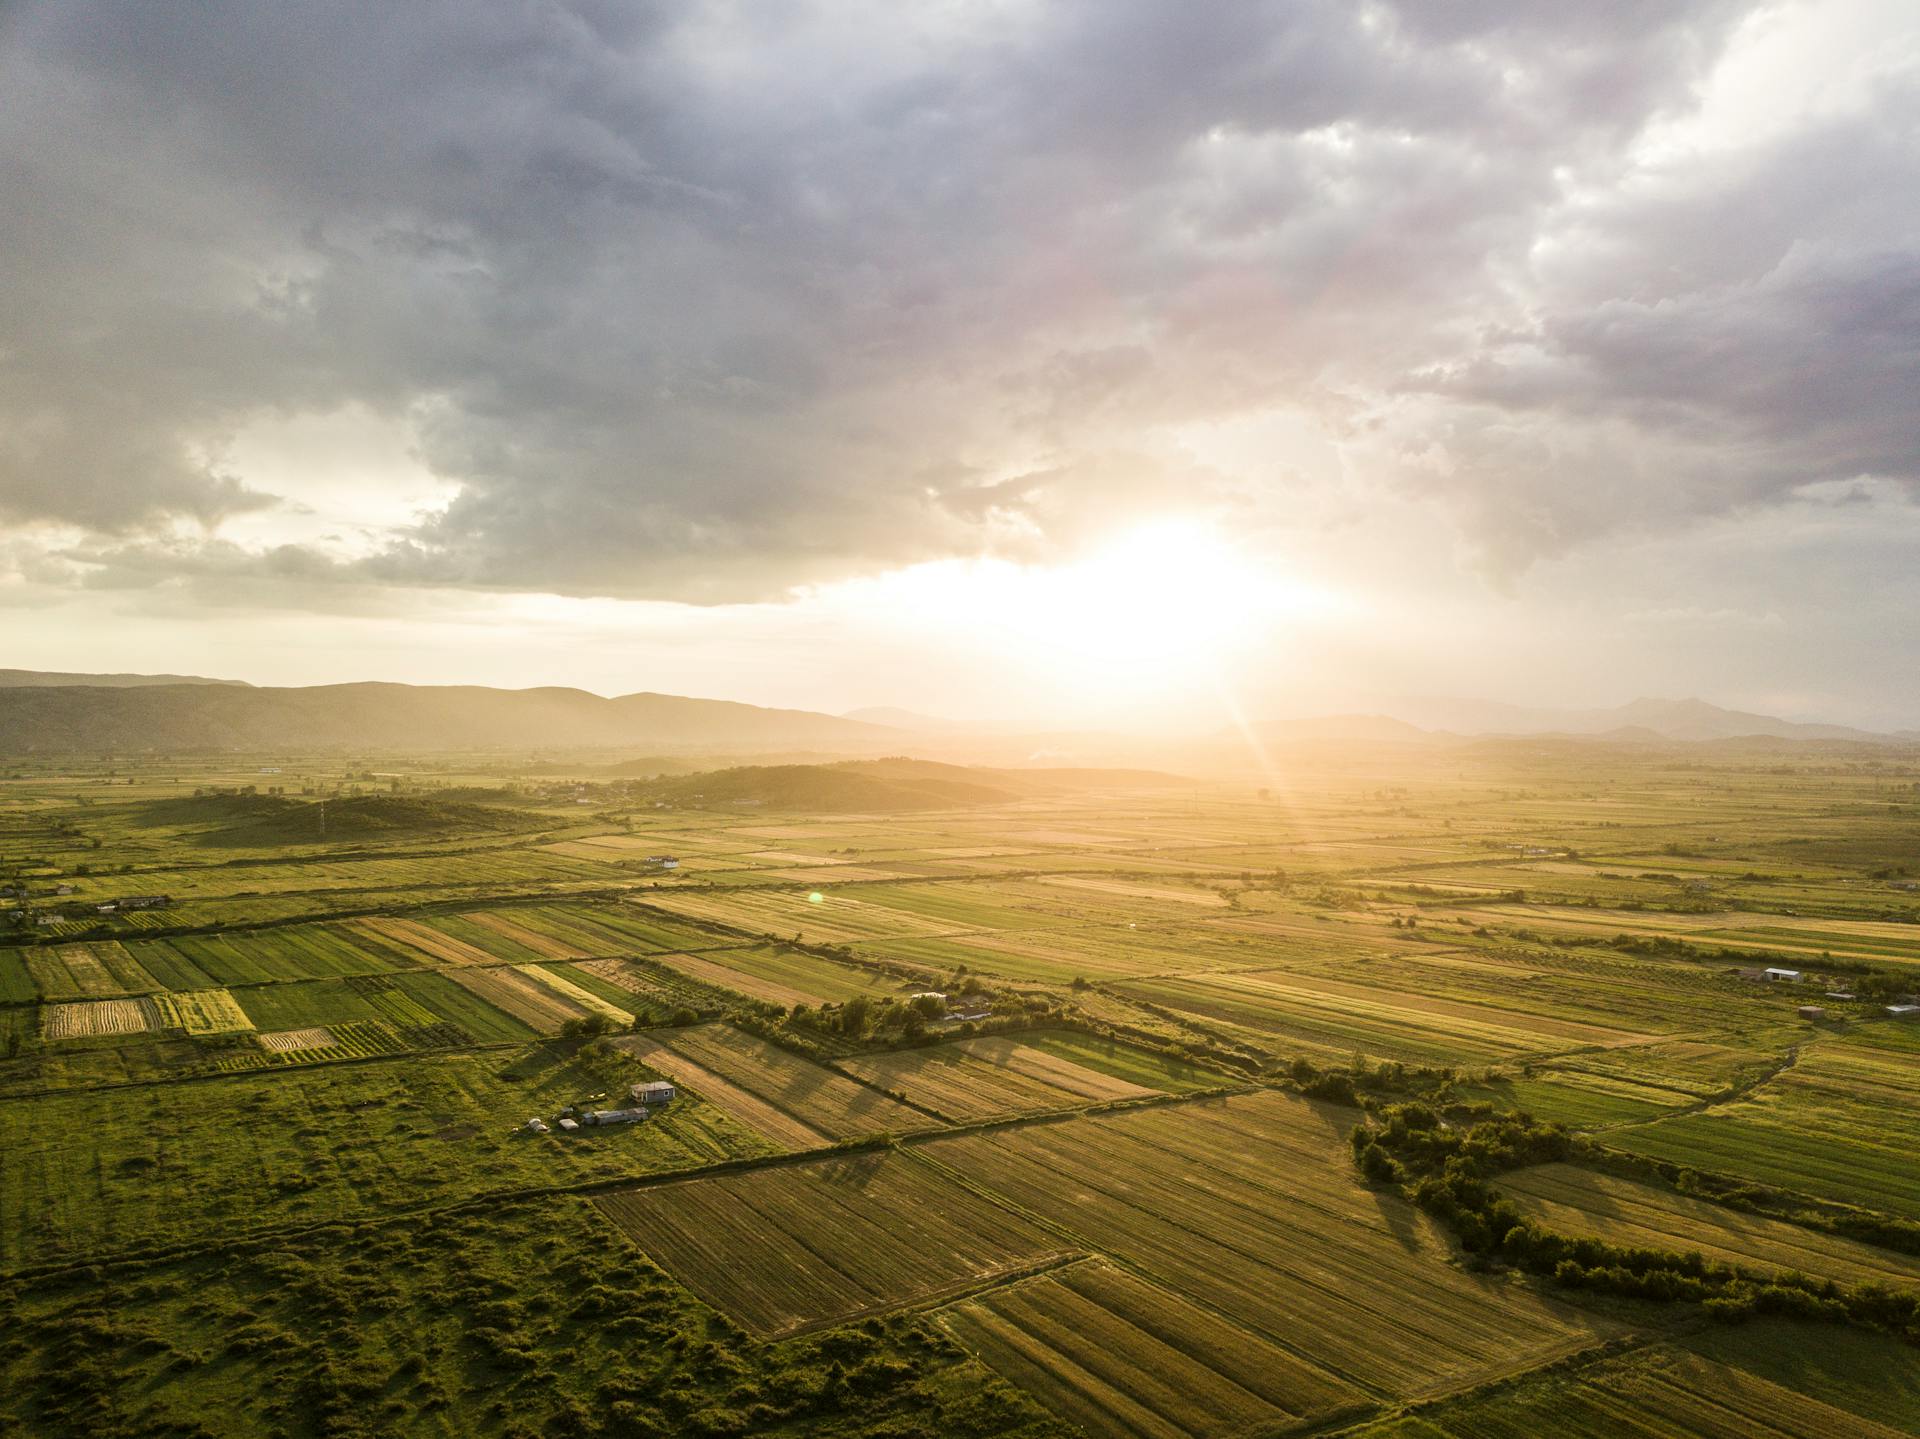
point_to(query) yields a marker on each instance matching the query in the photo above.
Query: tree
(853, 1015)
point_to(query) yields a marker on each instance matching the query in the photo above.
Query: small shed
(569, 1125)
(1774, 972)
(656, 1091)
(536, 1125)
(1904, 1011)
(1811, 1011)
(615, 1116)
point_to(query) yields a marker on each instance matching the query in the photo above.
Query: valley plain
(1520, 1087)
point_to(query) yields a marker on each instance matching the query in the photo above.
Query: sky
(1093, 361)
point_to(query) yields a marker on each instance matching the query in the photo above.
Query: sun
(1162, 607)
(1172, 588)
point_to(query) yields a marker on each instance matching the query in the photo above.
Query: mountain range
(393, 717)
(1686, 719)
(45, 679)
(62, 713)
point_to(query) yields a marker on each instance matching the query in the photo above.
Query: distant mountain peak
(59, 679)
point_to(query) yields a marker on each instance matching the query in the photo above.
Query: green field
(783, 1095)
(1249, 1207)
(1578, 1202)
(828, 1241)
(1110, 1352)
(265, 1165)
(168, 1165)
(1840, 1123)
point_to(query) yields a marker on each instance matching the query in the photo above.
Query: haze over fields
(981, 719)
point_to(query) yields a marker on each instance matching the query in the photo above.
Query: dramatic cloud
(311, 305)
(703, 301)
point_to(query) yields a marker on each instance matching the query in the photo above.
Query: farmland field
(1583, 1203)
(267, 1166)
(984, 1078)
(82, 1178)
(831, 1240)
(788, 1098)
(1842, 1122)
(1249, 1207)
(1669, 1391)
(85, 1019)
(784, 979)
(1110, 1352)
(201, 1011)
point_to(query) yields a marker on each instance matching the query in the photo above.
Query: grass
(172, 1164)
(1842, 1123)
(530, 1317)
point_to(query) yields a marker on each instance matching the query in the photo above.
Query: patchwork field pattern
(90, 1019)
(1668, 1391)
(266, 1165)
(1583, 1203)
(541, 1006)
(288, 1041)
(200, 1011)
(986, 1078)
(790, 1099)
(1842, 1123)
(1116, 1355)
(829, 1240)
(1249, 1206)
(782, 978)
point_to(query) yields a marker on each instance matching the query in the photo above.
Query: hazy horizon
(1064, 365)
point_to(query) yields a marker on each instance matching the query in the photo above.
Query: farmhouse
(145, 901)
(1776, 974)
(656, 1091)
(663, 861)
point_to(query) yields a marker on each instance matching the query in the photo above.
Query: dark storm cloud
(702, 301)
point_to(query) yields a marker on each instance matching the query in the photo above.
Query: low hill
(886, 786)
(390, 717)
(267, 821)
(913, 720)
(1664, 719)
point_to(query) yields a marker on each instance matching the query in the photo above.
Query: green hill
(885, 786)
(189, 718)
(245, 821)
